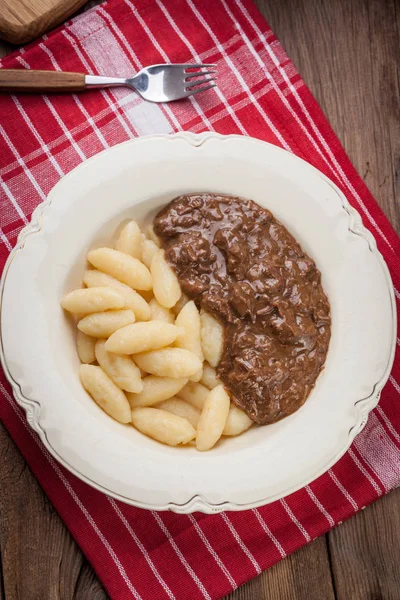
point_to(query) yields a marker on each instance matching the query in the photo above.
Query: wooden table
(348, 52)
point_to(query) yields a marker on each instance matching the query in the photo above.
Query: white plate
(134, 180)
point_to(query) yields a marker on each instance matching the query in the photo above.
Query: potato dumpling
(212, 419)
(105, 393)
(163, 426)
(169, 362)
(125, 268)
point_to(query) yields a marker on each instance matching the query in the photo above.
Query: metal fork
(157, 83)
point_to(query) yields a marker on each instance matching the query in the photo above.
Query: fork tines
(199, 80)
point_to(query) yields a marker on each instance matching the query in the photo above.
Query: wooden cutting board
(23, 20)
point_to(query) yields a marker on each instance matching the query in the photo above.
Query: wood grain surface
(24, 20)
(24, 80)
(348, 53)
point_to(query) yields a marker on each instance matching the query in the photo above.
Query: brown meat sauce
(242, 265)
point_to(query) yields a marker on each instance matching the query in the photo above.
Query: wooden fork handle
(22, 80)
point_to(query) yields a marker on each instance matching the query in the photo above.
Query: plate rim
(198, 502)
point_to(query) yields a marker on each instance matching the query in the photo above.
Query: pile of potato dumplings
(148, 355)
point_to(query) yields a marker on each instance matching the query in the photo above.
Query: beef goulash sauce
(238, 262)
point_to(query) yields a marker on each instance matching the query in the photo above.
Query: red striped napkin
(136, 553)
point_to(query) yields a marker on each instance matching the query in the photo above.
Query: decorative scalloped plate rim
(197, 502)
